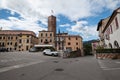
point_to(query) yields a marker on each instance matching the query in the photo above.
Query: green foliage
(107, 50)
(100, 47)
(87, 49)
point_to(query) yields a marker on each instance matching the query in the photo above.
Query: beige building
(46, 37)
(69, 42)
(17, 40)
(100, 28)
(109, 28)
(60, 41)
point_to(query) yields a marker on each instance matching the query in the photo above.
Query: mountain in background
(88, 47)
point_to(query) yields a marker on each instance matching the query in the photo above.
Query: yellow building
(46, 37)
(17, 40)
(69, 42)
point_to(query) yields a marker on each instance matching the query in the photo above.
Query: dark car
(33, 50)
(3, 49)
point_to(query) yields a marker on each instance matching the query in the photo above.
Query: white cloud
(65, 25)
(15, 23)
(86, 31)
(74, 9)
(33, 10)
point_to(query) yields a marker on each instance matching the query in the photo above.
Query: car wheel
(53, 54)
(44, 53)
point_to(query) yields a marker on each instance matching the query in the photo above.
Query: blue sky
(77, 17)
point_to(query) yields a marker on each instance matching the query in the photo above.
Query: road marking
(111, 68)
(118, 62)
(102, 65)
(10, 60)
(18, 66)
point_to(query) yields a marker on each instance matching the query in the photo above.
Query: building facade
(111, 30)
(60, 41)
(17, 40)
(46, 37)
(100, 28)
(95, 45)
(67, 42)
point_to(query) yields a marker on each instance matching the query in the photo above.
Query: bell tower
(52, 24)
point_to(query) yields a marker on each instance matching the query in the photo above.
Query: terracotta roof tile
(17, 32)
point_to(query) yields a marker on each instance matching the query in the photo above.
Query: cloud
(74, 9)
(15, 23)
(82, 28)
(65, 25)
(32, 11)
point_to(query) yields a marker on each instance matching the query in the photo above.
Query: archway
(110, 45)
(116, 44)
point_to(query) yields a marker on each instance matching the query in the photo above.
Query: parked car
(51, 53)
(33, 50)
(3, 49)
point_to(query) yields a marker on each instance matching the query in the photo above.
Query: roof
(16, 32)
(70, 36)
(102, 23)
(45, 31)
(111, 17)
(43, 45)
(99, 24)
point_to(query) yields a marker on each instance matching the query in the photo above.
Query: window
(19, 46)
(8, 43)
(110, 45)
(116, 44)
(76, 43)
(116, 21)
(46, 40)
(27, 35)
(41, 34)
(16, 37)
(69, 38)
(76, 38)
(111, 31)
(46, 34)
(0, 37)
(50, 34)
(11, 43)
(16, 44)
(50, 40)
(27, 40)
(20, 41)
(15, 48)
(41, 40)
(69, 43)
(3, 44)
(8, 38)
(27, 47)
(3, 37)
(77, 48)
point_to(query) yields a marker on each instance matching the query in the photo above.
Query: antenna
(52, 12)
(0, 28)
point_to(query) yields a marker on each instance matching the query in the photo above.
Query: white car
(51, 53)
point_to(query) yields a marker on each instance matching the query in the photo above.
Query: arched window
(110, 45)
(116, 44)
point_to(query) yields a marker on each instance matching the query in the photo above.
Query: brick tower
(52, 24)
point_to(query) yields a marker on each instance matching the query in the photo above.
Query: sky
(76, 17)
